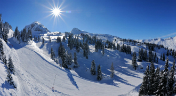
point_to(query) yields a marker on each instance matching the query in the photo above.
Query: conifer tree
(140, 56)
(11, 66)
(1, 50)
(166, 65)
(112, 70)
(171, 79)
(93, 70)
(9, 78)
(163, 57)
(49, 39)
(144, 87)
(156, 80)
(75, 60)
(99, 74)
(43, 41)
(134, 63)
(38, 39)
(52, 54)
(64, 61)
(103, 49)
(151, 79)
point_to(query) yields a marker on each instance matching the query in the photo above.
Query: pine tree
(140, 56)
(43, 41)
(9, 78)
(99, 75)
(49, 39)
(103, 49)
(144, 87)
(93, 70)
(69, 59)
(150, 56)
(162, 89)
(166, 65)
(151, 79)
(163, 57)
(171, 79)
(52, 54)
(156, 80)
(58, 39)
(75, 60)
(64, 61)
(38, 39)
(63, 39)
(1, 50)
(134, 63)
(112, 71)
(11, 66)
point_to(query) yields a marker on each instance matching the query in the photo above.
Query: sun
(56, 12)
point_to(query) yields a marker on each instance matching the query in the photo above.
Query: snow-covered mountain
(168, 42)
(37, 74)
(37, 28)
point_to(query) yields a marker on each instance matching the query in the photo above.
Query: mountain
(37, 28)
(37, 74)
(168, 42)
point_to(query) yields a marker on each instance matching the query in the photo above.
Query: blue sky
(130, 19)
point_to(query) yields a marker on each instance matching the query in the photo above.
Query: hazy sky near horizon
(131, 19)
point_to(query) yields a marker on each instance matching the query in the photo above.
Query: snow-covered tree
(11, 66)
(43, 41)
(140, 55)
(112, 70)
(99, 74)
(93, 70)
(75, 60)
(144, 88)
(163, 57)
(1, 50)
(49, 39)
(134, 63)
(166, 65)
(52, 54)
(151, 79)
(58, 39)
(68, 59)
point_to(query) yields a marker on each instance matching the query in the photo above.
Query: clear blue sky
(134, 19)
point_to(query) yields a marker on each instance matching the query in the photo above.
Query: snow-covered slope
(36, 73)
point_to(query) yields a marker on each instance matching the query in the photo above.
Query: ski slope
(36, 73)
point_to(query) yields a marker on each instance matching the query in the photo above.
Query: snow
(36, 72)
(168, 42)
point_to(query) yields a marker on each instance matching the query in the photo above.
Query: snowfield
(36, 73)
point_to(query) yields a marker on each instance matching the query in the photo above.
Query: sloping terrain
(36, 73)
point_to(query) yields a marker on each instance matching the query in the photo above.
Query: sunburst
(56, 11)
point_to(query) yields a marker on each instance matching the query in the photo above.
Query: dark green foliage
(134, 62)
(163, 57)
(112, 70)
(11, 66)
(52, 54)
(99, 74)
(75, 60)
(43, 41)
(93, 70)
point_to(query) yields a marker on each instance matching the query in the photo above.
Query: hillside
(36, 73)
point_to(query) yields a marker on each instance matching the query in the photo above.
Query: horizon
(135, 19)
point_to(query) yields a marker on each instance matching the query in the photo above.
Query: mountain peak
(37, 27)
